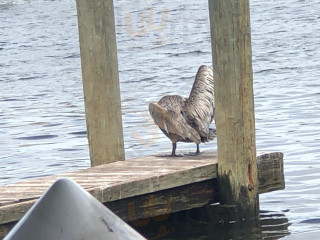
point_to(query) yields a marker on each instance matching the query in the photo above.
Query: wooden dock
(234, 104)
(142, 187)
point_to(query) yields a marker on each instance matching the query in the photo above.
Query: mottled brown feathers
(188, 119)
(199, 108)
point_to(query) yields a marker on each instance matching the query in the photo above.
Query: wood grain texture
(100, 80)
(5, 229)
(113, 181)
(270, 172)
(139, 210)
(234, 115)
(136, 181)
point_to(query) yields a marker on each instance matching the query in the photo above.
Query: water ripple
(39, 137)
(42, 112)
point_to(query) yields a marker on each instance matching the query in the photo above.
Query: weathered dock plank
(113, 181)
(139, 210)
(140, 188)
(270, 172)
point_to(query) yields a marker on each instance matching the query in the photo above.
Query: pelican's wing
(199, 108)
(173, 123)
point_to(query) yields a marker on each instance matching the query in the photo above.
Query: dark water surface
(42, 122)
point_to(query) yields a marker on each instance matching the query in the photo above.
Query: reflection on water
(201, 224)
(161, 44)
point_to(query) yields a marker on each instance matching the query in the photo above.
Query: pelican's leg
(196, 153)
(173, 153)
(174, 147)
(198, 149)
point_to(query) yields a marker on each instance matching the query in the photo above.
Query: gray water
(42, 122)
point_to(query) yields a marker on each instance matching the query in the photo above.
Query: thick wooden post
(100, 80)
(232, 62)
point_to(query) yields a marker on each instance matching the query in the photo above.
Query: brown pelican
(188, 119)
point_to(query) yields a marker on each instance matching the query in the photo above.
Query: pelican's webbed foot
(194, 153)
(173, 153)
(169, 156)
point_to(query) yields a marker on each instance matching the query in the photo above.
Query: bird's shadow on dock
(169, 156)
(188, 155)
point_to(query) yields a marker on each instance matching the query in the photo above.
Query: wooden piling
(100, 80)
(232, 61)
